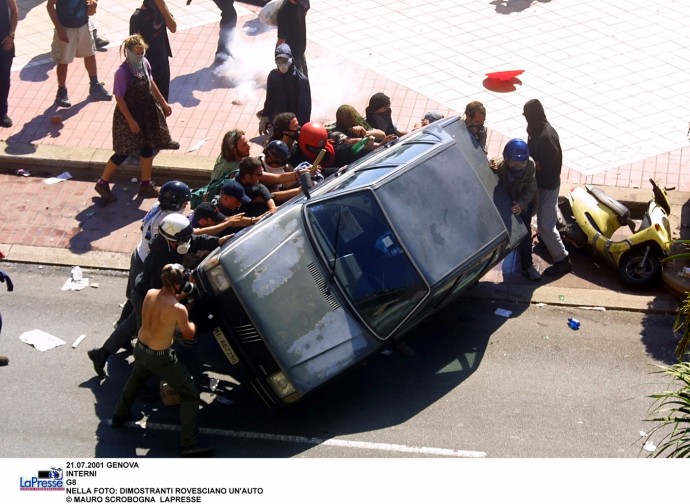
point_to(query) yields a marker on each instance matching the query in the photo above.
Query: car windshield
(366, 260)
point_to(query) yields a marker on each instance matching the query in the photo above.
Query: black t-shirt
(150, 24)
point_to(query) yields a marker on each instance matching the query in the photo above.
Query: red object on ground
(504, 75)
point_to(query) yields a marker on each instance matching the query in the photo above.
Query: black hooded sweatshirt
(544, 146)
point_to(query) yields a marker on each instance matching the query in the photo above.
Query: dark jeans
(228, 23)
(526, 244)
(136, 266)
(6, 58)
(165, 365)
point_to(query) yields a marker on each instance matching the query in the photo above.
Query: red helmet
(312, 138)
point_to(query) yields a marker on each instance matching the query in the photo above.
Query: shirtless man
(162, 312)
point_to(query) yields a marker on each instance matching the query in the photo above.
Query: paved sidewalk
(614, 96)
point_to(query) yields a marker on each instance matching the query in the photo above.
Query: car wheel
(640, 268)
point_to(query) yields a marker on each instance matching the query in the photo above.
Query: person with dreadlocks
(138, 120)
(174, 239)
(162, 314)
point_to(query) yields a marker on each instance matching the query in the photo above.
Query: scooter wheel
(636, 274)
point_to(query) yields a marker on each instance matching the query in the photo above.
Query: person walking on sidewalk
(292, 30)
(71, 39)
(228, 24)
(545, 149)
(9, 15)
(138, 121)
(152, 21)
(162, 314)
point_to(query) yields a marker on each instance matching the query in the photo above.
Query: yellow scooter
(589, 218)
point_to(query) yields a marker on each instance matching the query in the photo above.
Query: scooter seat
(621, 211)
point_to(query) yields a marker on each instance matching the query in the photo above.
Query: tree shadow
(511, 6)
(40, 126)
(203, 80)
(25, 6)
(36, 70)
(99, 219)
(255, 27)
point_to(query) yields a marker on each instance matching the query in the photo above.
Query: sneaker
(6, 122)
(196, 451)
(61, 99)
(98, 358)
(98, 92)
(4, 361)
(118, 422)
(148, 191)
(104, 192)
(531, 273)
(171, 145)
(559, 268)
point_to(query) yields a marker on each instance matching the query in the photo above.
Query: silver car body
(328, 280)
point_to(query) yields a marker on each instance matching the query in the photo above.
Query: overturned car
(354, 264)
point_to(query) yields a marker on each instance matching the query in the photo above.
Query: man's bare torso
(158, 319)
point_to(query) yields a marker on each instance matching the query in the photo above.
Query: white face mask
(183, 248)
(134, 59)
(283, 67)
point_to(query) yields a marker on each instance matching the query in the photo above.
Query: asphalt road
(479, 385)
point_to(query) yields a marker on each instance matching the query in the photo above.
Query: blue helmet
(278, 151)
(516, 150)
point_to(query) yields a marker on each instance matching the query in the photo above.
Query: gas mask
(183, 248)
(283, 65)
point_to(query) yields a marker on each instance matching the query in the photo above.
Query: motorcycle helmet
(173, 195)
(516, 150)
(312, 138)
(278, 150)
(176, 227)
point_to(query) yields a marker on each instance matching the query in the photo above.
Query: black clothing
(544, 146)
(161, 253)
(289, 92)
(150, 24)
(292, 26)
(228, 22)
(6, 58)
(382, 121)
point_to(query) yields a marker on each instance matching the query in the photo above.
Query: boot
(99, 41)
(98, 357)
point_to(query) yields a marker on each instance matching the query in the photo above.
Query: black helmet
(278, 150)
(173, 195)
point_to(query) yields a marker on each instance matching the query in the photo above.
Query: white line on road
(361, 445)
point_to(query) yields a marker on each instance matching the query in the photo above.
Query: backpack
(210, 190)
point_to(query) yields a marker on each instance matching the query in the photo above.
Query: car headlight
(282, 387)
(218, 279)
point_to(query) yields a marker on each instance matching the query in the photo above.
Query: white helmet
(175, 227)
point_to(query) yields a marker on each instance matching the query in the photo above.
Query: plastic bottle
(361, 144)
(573, 323)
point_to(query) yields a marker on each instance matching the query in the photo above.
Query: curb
(87, 163)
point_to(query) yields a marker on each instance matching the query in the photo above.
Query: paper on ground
(197, 145)
(40, 340)
(72, 284)
(59, 178)
(502, 312)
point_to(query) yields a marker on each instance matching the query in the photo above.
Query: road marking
(361, 445)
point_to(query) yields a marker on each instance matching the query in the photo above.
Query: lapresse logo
(44, 480)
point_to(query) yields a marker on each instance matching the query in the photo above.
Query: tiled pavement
(613, 78)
